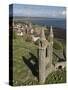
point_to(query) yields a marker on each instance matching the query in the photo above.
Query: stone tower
(45, 55)
(42, 51)
(51, 45)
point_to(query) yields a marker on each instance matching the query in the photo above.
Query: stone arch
(60, 67)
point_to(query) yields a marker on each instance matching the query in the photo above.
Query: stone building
(46, 65)
(45, 55)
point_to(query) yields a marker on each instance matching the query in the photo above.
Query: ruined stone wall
(42, 70)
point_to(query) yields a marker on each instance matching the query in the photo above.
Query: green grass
(58, 76)
(57, 45)
(22, 74)
(20, 69)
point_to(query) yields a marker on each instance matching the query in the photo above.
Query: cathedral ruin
(45, 55)
(45, 48)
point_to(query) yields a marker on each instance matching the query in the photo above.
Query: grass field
(23, 50)
(25, 60)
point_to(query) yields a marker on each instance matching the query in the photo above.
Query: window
(46, 52)
(41, 43)
(60, 67)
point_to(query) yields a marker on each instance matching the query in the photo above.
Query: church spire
(42, 38)
(51, 32)
(43, 35)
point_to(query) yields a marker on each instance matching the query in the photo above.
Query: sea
(55, 22)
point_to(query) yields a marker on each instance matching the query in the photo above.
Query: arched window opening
(46, 52)
(41, 43)
(60, 67)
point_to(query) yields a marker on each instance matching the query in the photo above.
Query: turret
(51, 46)
(42, 35)
(42, 51)
(45, 55)
(51, 34)
(42, 38)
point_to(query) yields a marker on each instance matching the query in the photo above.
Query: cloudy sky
(38, 11)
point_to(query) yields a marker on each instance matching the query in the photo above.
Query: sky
(38, 11)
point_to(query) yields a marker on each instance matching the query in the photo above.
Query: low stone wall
(60, 65)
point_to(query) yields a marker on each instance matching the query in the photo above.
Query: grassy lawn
(56, 77)
(25, 68)
(22, 74)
